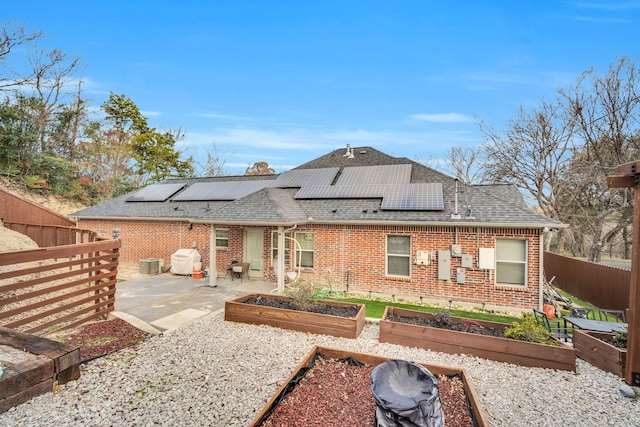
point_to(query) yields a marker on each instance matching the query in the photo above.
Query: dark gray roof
(484, 205)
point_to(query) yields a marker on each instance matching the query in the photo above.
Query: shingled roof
(275, 199)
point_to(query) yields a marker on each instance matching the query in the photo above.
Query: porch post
(281, 251)
(213, 267)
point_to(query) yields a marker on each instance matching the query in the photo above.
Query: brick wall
(351, 258)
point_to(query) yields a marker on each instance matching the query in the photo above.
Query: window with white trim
(222, 238)
(274, 248)
(399, 255)
(304, 252)
(511, 262)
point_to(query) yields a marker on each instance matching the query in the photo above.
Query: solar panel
(306, 177)
(371, 175)
(340, 192)
(414, 197)
(155, 193)
(228, 190)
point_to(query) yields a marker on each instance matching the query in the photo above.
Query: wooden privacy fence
(57, 288)
(52, 235)
(600, 285)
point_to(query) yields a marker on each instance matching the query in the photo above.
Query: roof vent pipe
(349, 152)
(455, 214)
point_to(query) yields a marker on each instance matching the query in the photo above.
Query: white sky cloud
(443, 118)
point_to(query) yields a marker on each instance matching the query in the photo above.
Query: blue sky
(287, 81)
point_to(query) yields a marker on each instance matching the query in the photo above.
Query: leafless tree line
(559, 154)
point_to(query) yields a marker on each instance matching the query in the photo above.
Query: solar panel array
(228, 190)
(155, 193)
(414, 197)
(391, 183)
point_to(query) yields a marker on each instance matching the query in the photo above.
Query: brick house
(357, 220)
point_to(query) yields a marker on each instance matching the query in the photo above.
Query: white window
(222, 238)
(399, 255)
(274, 248)
(511, 262)
(304, 252)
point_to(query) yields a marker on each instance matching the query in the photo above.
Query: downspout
(541, 274)
(213, 267)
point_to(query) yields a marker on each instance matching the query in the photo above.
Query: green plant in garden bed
(375, 310)
(529, 330)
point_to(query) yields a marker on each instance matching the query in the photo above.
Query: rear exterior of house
(355, 221)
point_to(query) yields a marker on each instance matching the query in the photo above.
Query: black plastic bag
(406, 395)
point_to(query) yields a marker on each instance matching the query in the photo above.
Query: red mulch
(102, 337)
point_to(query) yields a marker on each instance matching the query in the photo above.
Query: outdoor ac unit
(150, 266)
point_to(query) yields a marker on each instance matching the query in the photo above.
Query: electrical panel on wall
(486, 258)
(423, 257)
(466, 261)
(461, 276)
(444, 265)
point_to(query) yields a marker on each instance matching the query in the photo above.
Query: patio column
(280, 267)
(213, 268)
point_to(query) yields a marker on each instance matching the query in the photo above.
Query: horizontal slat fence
(52, 235)
(600, 285)
(57, 288)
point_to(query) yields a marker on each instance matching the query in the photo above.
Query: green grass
(375, 309)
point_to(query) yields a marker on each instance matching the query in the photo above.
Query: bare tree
(605, 112)
(13, 36)
(214, 165)
(531, 153)
(467, 164)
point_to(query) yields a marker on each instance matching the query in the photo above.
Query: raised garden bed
(317, 393)
(594, 347)
(265, 309)
(486, 346)
(32, 366)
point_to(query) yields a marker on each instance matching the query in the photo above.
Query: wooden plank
(48, 267)
(620, 181)
(26, 395)
(49, 301)
(64, 251)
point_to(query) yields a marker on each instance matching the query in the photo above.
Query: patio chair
(562, 334)
(618, 315)
(584, 312)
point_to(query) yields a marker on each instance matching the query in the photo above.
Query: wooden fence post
(629, 177)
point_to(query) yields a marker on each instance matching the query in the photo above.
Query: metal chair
(562, 334)
(618, 315)
(584, 312)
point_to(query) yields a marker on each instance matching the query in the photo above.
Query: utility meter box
(456, 250)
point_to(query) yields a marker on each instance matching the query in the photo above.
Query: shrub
(529, 330)
(620, 339)
(443, 318)
(303, 293)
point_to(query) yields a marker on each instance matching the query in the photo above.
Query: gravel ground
(217, 373)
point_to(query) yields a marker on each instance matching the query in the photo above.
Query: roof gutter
(519, 225)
